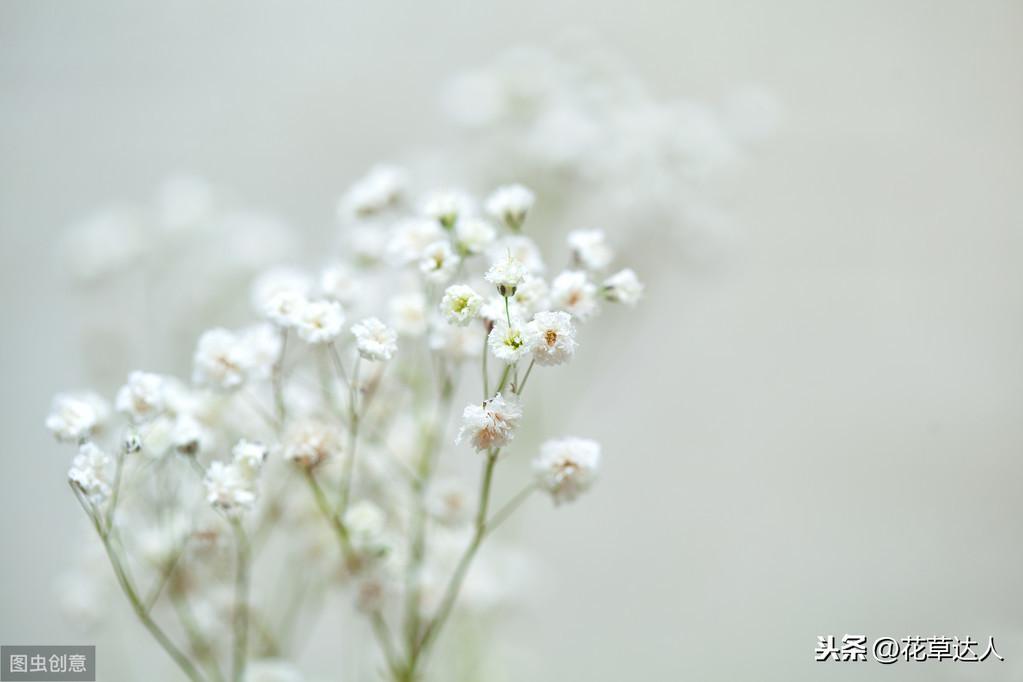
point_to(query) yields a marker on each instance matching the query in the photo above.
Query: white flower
(567, 467)
(506, 274)
(623, 287)
(90, 472)
(187, 435)
(509, 342)
(522, 248)
(320, 321)
(460, 304)
(531, 295)
(510, 203)
(339, 283)
(76, 416)
(228, 488)
(474, 235)
(409, 239)
(272, 670)
(249, 456)
(374, 339)
(310, 442)
(285, 308)
(290, 281)
(408, 313)
(490, 425)
(493, 309)
(142, 397)
(449, 502)
(572, 291)
(589, 249)
(221, 360)
(458, 343)
(439, 262)
(366, 524)
(552, 337)
(367, 242)
(448, 206)
(381, 188)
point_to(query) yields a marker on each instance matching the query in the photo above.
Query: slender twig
(194, 633)
(383, 635)
(335, 521)
(241, 605)
(277, 379)
(348, 469)
(502, 514)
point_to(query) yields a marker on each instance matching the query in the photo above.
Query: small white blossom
(339, 283)
(221, 360)
(449, 502)
(228, 488)
(623, 287)
(249, 456)
(509, 343)
(490, 425)
(320, 321)
(522, 248)
(76, 416)
(187, 435)
(374, 339)
(460, 304)
(447, 207)
(589, 249)
(142, 397)
(531, 295)
(367, 242)
(310, 442)
(408, 313)
(366, 524)
(380, 189)
(439, 262)
(409, 239)
(286, 308)
(573, 292)
(552, 337)
(90, 472)
(567, 467)
(474, 235)
(293, 283)
(493, 309)
(510, 204)
(261, 345)
(506, 274)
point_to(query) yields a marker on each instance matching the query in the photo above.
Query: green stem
(241, 598)
(521, 387)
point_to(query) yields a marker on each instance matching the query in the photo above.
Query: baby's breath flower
(439, 262)
(366, 523)
(249, 456)
(531, 294)
(410, 238)
(187, 435)
(228, 488)
(142, 397)
(522, 248)
(506, 274)
(408, 313)
(509, 343)
(473, 235)
(623, 287)
(567, 467)
(510, 204)
(339, 283)
(449, 502)
(573, 292)
(380, 189)
(460, 304)
(309, 442)
(286, 308)
(292, 282)
(448, 206)
(76, 416)
(221, 360)
(491, 424)
(90, 472)
(374, 339)
(262, 347)
(589, 249)
(320, 321)
(552, 337)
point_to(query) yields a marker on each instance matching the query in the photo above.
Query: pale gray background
(822, 433)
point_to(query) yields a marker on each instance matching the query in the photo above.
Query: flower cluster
(341, 387)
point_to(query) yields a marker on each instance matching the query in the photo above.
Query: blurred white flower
(573, 292)
(380, 189)
(408, 313)
(439, 262)
(589, 249)
(76, 416)
(142, 397)
(510, 204)
(623, 287)
(474, 235)
(491, 424)
(448, 207)
(410, 237)
(458, 343)
(220, 360)
(90, 472)
(320, 321)
(249, 456)
(567, 467)
(228, 488)
(374, 339)
(522, 248)
(309, 442)
(340, 283)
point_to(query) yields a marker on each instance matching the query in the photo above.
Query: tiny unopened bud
(132, 442)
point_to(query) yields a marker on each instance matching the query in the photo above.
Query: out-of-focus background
(819, 431)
